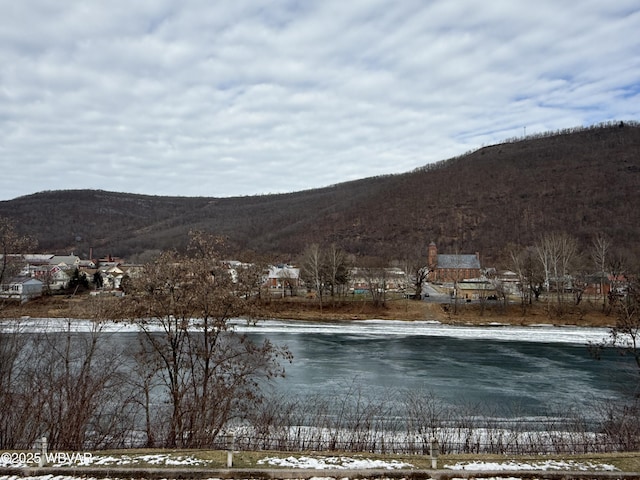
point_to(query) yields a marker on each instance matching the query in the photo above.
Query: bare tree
(288, 281)
(619, 270)
(530, 276)
(545, 251)
(416, 272)
(489, 284)
(337, 270)
(456, 277)
(556, 252)
(250, 278)
(599, 254)
(183, 306)
(145, 380)
(85, 402)
(12, 248)
(312, 269)
(625, 335)
(376, 278)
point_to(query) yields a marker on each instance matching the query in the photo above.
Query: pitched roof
(284, 271)
(24, 280)
(69, 260)
(458, 261)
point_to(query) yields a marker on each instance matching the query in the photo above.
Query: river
(508, 370)
(528, 371)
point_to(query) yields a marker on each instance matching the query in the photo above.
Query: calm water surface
(508, 370)
(528, 371)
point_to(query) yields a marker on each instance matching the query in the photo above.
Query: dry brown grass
(411, 310)
(300, 308)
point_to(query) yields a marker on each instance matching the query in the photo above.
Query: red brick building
(452, 267)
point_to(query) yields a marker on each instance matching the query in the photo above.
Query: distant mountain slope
(583, 182)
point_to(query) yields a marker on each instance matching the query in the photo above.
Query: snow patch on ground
(161, 459)
(544, 465)
(323, 463)
(44, 477)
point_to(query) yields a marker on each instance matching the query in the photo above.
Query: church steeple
(432, 256)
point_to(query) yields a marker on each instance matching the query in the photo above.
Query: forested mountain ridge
(582, 182)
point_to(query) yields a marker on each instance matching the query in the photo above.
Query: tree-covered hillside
(581, 181)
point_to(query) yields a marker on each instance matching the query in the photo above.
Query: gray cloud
(241, 98)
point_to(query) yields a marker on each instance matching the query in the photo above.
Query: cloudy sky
(245, 97)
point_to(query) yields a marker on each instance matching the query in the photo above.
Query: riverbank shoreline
(297, 308)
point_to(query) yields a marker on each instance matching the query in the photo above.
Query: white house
(53, 277)
(65, 262)
(111, 277)
(22, 289)
(283, 276)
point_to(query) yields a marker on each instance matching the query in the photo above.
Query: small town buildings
(605, 285)
(389, 279)
(452, 267)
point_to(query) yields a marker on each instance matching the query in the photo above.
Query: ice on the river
(539, 333)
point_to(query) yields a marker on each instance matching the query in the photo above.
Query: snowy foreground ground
(301, 462)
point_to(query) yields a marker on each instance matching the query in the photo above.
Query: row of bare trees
(329, 271)
(67, 385)
(406, 422)
(326, 271)
(92, 390)
(556, 265)
(178, 380)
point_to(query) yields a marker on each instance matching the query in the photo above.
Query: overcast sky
(227, 98)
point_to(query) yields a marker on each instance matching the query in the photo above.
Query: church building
(451, 267)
